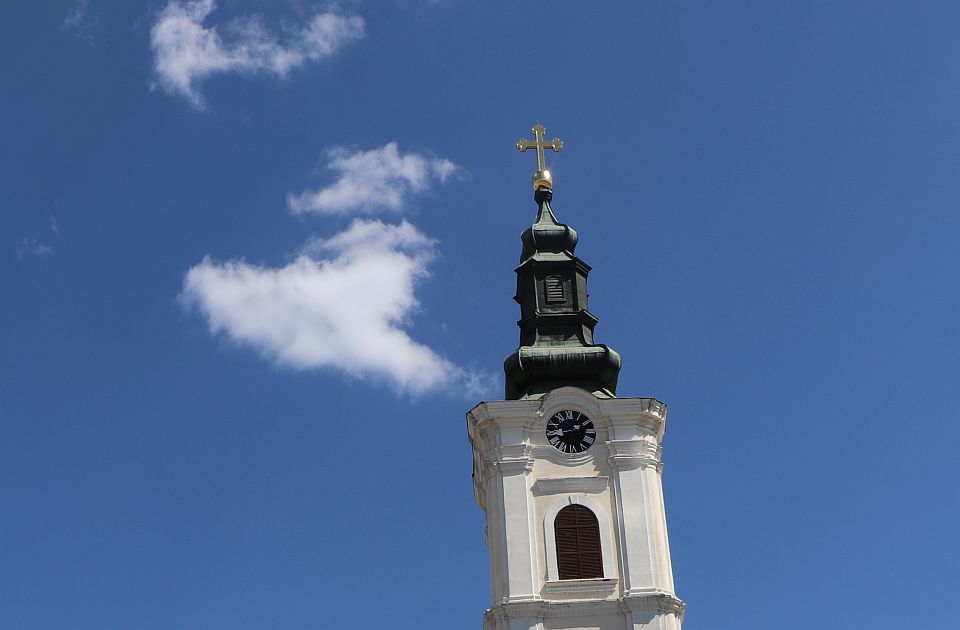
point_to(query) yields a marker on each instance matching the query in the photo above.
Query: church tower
(568, 473)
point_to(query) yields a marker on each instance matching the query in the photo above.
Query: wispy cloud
(372, 181)
(186, 53)
(32, 248)
(81, 23)
(342, 303)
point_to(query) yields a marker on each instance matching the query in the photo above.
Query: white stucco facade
(522, 482)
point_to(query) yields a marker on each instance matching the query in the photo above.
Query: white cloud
(77, 15)
(32, 248)
(78, 21)
(369, 181)
(342, 303)
(186, 53)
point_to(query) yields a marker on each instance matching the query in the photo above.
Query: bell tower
(567, 473)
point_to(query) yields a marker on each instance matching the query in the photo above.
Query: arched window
(578, 543)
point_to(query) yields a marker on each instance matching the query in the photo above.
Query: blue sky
(256, 261)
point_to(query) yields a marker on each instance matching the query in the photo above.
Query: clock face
(571, 431)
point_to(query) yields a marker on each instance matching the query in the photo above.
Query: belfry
(568, 474)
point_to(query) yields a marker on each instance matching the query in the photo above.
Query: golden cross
(542, 177)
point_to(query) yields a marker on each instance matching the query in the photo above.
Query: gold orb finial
(542, 178)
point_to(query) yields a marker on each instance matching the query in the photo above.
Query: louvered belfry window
(578, 544)
(554, 286)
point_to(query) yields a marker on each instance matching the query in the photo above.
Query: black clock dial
(571, 431)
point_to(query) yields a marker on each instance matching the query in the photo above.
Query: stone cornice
(533, 609)
(634, 406)
(503, 412)
(619, 411)
(655, 600)
(510, 460)
(647, 414)
(629, 454)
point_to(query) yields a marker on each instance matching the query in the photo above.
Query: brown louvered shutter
(578, 543)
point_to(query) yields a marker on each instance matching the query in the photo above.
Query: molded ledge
(557, 485)
(590, 588)
(654, 600)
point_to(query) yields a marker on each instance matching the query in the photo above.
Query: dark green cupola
(556, 329)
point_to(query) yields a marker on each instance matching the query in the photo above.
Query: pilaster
(637, 426)
(502, 448)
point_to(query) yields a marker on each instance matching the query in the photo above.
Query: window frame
(550, 538)
(554, 291)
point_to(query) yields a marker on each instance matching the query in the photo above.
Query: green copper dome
(546, 234)
(556, 329)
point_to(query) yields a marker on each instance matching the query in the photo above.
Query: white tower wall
(521, 482)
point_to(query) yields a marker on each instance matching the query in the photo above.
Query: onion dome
(546, 234)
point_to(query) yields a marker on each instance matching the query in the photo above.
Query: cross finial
(542, 177)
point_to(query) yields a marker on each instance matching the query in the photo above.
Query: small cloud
(369, 181)
(32, 248)
(343, 303)
(54, 226)
(81, 23)
(186, 53)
